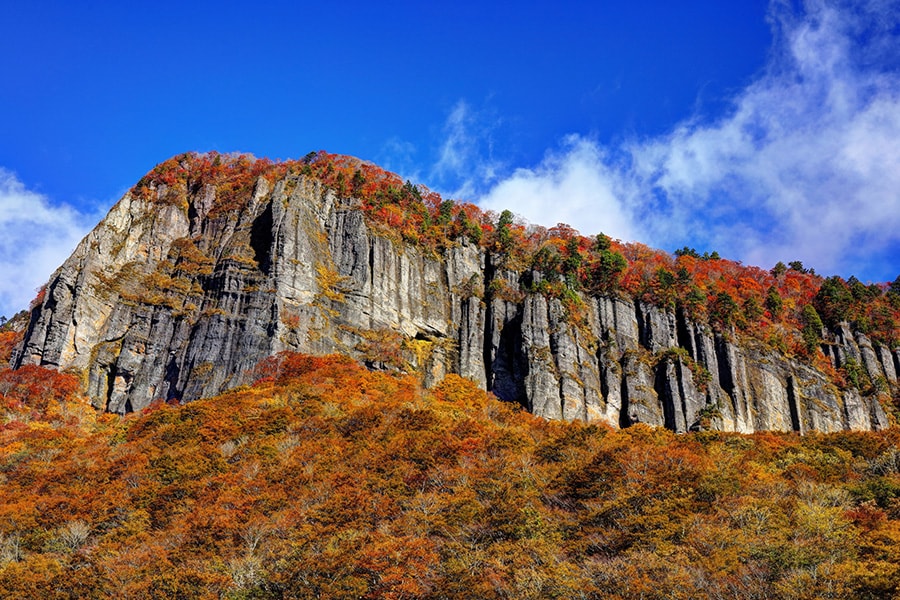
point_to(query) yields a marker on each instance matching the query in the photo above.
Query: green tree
(445, 211)
(665, 287)
(722, 310)
(893, 293)
(572, 263)
(797, 265)
(752, 309)
(774, 303)
(862, 292)
(603, 242)
(358, 181)
(468, 227)
(546, 260)
(812, 328)
(687, 252)
(504, 234)
(894, 288)
(607, 271)
(694, 301)
(833, 301)
(411, 191)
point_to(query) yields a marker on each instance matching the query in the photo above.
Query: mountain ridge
(213, 262)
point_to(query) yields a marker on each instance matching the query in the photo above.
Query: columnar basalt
(169, 301)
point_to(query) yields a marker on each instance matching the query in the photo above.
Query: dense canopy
(327, 480)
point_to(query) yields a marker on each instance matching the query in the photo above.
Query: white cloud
(805, 166)
(465, 159)
(574, 186)
(458, 147)
(35, 238)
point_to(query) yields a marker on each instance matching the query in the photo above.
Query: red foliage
(419, 216)
(39, 298)
(344, 483)
(287, 365)
(867, 516)
(8, 341)
(36, 387)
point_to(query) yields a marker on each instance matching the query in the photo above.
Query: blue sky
(764, 130)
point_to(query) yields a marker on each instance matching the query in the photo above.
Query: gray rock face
(164, 301)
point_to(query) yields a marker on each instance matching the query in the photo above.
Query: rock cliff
(179, 300)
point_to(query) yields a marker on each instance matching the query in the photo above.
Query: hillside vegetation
(324, 480)
(213, 262)
(785, 307)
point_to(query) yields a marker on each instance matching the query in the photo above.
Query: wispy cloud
(465, 160)
(35, 238)
(805, 165)
(398, 156)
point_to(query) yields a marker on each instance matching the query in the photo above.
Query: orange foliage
(727, 294)
(327, 480)
(8, 341)
(36, 387)
(284, 366)
(39, 298)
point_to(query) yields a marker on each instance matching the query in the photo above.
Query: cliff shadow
(261, 239)
(509, 366)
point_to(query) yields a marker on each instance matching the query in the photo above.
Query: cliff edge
(212, 263)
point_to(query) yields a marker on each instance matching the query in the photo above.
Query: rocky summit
(213, 263)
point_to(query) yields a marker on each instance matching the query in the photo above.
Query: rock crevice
(167, 302)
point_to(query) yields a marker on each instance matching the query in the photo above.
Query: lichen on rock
(195, 277)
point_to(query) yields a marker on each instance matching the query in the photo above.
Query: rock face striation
(170, 301)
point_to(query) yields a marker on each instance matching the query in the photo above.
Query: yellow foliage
(327, 479)
(329, 281)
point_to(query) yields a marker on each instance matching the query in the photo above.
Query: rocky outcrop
(166, 301)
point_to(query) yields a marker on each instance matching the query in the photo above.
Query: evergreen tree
(812, 328)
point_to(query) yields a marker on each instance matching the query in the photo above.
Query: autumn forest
(324, 479)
